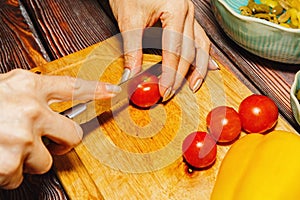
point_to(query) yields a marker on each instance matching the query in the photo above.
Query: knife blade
(78, 110)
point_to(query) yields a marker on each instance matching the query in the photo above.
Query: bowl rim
(253, 19)
(293, 90)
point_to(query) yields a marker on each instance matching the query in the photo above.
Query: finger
(202, 44)
(212, 64)
(132, 34)
(200, 70)
(201, 39)
(187, 51)
(63, 88)
(173, 25)
(64, 132)
(86, 90)
(11, 169)
(39, 161)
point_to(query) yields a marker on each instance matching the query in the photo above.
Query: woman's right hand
(26, 117)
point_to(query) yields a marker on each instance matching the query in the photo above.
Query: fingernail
(168, 94)
(213, 64)
(197, 85)
(126, 75)
(112, 88)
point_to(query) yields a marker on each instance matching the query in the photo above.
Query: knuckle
(32, 109)
(123, 23)
(9, 168)
(25, 140)
(69, 79)
(11, 174)
(19, 80)
(39, 161)
(19, 140)
(203, 42)
(10, 185)
(71, 83)
(28, 79)
(188, 56)
(46, 165)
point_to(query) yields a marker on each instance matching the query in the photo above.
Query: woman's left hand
(184, 42)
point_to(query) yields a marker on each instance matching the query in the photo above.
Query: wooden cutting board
(136, 154)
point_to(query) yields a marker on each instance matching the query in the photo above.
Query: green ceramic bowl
(258, 36)
(294, 101)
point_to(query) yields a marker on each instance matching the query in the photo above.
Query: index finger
(64, 88)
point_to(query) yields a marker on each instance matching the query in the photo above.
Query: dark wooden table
(34, 32)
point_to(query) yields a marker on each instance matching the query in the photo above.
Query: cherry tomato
(258, 113)
(224, 123)
(145, 91)
(199, 149)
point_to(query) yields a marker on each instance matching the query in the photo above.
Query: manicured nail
(168, 94)
(197, 85)
(213, 64)
(112, 88)
(126, 75)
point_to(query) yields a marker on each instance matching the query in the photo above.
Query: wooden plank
(78, 180)
(67, 26)
(138, 152)
(20, 47)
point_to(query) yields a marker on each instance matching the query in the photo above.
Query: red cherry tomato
(145, 91)
(258, 113)
(224, 123)
(199, 149)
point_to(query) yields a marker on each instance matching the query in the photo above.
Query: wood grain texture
(20, 47)
(44, 186)
(67, 26)
(38, 31)
(136, 154)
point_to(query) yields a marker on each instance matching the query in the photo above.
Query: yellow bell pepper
(260, 167)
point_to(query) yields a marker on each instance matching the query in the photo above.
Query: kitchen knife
(79, 109)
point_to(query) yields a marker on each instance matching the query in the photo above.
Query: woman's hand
(26, 117)
(184, 42)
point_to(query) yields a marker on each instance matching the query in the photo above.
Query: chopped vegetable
(283, 12)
